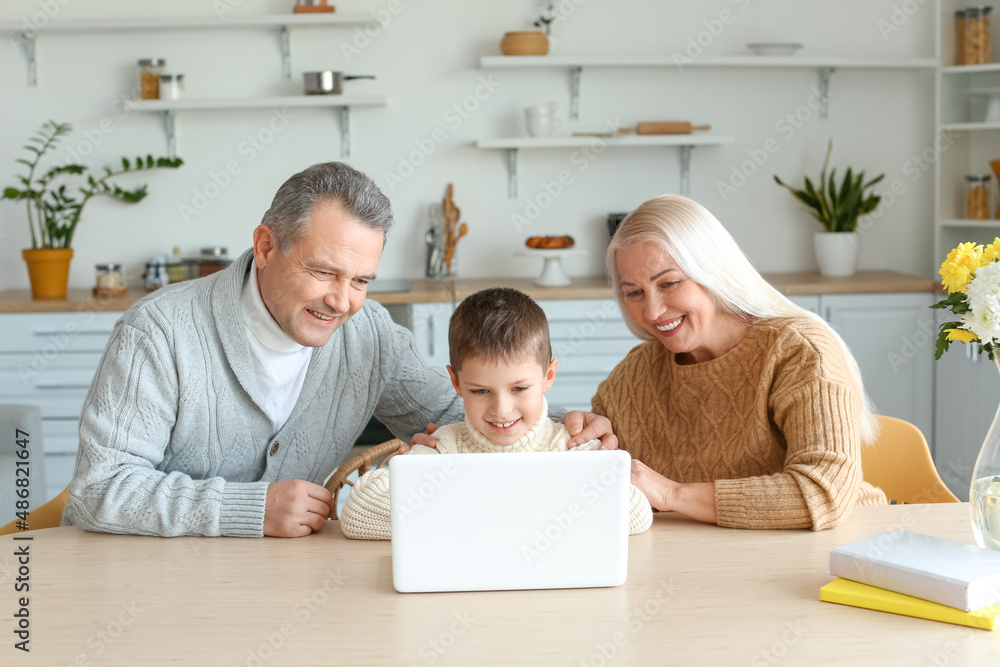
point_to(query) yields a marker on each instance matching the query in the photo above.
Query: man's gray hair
(327, 182)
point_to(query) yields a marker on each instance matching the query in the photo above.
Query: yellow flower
(956, 271)
(991, 253)
(961, 335)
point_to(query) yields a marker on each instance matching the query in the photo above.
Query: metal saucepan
(327, 82)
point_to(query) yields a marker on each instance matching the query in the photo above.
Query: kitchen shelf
(341, 102)
(686, 142)
(825, 66)
(971, 69)
(971, 224)
(970, 127)
(26, 36)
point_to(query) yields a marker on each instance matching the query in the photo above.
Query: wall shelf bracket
(512, 173)
(824, 91)
(686, 170)
(26, 41)
(345, 132)
(286, 53)
(168, 120)
(574, 93)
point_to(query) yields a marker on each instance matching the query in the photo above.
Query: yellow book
(845, 591)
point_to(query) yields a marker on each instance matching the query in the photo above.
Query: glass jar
(977, 197)
(960, 37)
(977, 35)
(149, 77)
(171, 86)
(108, 280)
(212, 260)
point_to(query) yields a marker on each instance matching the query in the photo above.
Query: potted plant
(531, 42)
(838, 211)
(54, 208)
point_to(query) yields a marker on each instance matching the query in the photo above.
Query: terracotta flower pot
(48, 271)
(524, 44)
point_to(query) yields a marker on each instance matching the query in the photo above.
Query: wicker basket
(524, 44)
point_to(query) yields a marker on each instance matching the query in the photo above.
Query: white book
(959, 575)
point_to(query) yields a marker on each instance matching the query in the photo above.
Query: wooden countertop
(430, 291)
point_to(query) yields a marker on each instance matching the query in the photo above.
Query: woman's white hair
(708, 254)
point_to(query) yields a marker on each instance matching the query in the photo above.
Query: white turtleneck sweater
(279, 363)
(366, 513)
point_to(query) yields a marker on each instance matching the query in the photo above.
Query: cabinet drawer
(61, 435)
(57, 385)
(49, 334)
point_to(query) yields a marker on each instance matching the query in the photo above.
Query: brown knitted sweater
(774, 423)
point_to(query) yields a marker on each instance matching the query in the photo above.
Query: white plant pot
(837, 253)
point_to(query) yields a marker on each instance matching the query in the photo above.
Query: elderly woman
(741, 409)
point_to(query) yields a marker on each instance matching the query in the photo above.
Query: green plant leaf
(125, 163)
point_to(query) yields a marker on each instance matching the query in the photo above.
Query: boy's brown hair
(499, 323)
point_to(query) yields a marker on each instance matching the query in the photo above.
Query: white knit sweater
(366, 513)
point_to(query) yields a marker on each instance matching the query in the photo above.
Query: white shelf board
(971, 224)
(629, 140)
(225, 22)
(970, 127)
(971, 69)
(262, 102)
(811, 62)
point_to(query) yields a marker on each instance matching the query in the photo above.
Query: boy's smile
(503, 399)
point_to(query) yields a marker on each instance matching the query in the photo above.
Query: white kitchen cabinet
(810, 303)
(429, 324)
(892, 338)
(589, 338)
(968, 393)
(49, 360)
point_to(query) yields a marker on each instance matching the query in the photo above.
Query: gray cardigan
(173, 438)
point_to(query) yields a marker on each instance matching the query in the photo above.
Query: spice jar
(960, 37)
(149, 77)
(977, 35)
(977, 197)
(109, 280)
(171, 86)
(212, 260)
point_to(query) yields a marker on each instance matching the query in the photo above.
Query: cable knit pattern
(366, 513)
(173, 436)
(774, 423)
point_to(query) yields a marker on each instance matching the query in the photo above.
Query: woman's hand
(694, 500)
(586, 426)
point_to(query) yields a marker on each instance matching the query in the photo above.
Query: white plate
(774, 48)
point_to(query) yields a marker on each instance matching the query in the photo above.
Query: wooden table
(696, 595)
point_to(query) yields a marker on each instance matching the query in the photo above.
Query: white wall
(426, 60)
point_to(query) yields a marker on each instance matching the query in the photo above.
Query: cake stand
(552, 273)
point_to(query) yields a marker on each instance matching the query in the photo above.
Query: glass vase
(984, 494)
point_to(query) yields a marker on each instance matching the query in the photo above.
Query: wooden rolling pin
(658, 127)
(671, 127)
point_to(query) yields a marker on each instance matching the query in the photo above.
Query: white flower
(983, 295)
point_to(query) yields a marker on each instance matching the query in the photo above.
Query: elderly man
(222, 404)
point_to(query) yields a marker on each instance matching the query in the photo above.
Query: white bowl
(774, 48)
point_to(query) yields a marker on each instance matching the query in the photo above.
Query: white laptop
(486, 522)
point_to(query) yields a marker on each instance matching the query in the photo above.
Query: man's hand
(586, 426)
(424, 439)
(296, 508)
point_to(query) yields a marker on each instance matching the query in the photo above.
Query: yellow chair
(362, 463)
(48, 515)
(900, 464)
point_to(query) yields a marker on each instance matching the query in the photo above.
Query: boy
(501, 366)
